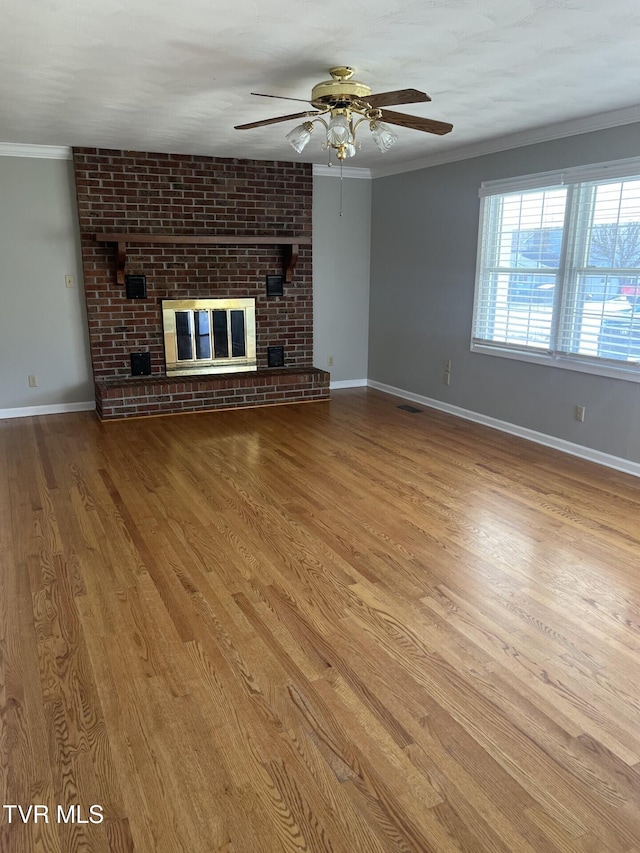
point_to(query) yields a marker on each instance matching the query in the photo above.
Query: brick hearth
(183, 195)
(142, 396)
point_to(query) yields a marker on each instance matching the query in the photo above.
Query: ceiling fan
(342, 105)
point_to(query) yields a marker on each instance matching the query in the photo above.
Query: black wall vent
(275, 356)
(140, 363)
(136, 286)
(275, 285)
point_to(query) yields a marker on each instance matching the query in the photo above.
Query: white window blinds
(519, 267)
(599, 313)
(559, 266)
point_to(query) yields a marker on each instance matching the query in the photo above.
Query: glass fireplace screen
(209, 335)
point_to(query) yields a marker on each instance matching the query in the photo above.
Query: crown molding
(44, 152)
(336, 172)
(547, 133)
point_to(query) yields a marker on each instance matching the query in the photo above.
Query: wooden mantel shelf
(290, 245)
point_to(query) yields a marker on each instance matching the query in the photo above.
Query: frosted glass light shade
(383, 136)
(300, 136)
(338, 131)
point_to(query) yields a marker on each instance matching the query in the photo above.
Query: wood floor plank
(535, 668)
(340, 627)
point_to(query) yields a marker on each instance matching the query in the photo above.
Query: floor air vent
(406, 408)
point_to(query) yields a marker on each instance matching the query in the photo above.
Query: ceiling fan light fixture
(341, 105)
(383, 136)
(299, 137)
(338, 130)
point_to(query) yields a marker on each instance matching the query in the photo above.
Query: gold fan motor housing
(340, 91)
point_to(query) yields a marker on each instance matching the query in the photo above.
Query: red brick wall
(184, 194)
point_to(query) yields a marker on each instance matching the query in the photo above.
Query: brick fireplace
(158, 197)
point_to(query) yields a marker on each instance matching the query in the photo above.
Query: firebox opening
(209, 336)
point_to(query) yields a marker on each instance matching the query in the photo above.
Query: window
(558, 277)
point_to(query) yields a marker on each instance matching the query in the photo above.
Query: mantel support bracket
(121, 262)
(290, 259)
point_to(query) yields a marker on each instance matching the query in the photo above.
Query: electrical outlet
(447, 366)
(447, 378)
(68, 281)
(33, 381)
(330, 361)
(580, 413)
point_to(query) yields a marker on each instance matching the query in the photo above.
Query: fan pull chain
(340, 187)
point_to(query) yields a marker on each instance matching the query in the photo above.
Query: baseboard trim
(348, 383)
(54, 409)
(608, 460)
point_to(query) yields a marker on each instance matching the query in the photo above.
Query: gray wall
(341, 249)
(43, 327)
(424, 233)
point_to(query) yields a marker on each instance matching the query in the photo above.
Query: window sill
(630, 373)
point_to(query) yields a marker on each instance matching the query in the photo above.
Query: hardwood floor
(324, 627)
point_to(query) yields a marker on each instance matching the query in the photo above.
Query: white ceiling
(160, 75)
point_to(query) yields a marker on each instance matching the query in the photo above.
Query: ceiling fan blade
(273, 120)
(402, 96)
(429, 125)
(284, 98)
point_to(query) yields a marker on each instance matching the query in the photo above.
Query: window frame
(572, 178)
